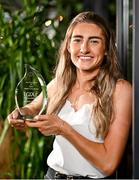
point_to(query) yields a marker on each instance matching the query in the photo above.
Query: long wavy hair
(105, 82)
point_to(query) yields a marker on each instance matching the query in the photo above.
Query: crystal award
(30, 89)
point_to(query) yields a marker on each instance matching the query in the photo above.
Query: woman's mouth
(85, 58)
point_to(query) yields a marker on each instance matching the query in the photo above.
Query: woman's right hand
(15, 121)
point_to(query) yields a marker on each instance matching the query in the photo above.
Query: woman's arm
(107, 156)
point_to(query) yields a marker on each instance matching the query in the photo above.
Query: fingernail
(36, 117)
(14, 116)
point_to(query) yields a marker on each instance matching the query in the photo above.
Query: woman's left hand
(47, 124)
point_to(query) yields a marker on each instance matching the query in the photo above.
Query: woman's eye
(76, 40)
(94, 41)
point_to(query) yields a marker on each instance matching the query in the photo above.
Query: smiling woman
(85, 109)
(87, 46)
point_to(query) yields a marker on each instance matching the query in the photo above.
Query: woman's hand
(15, 121)
(47, 124)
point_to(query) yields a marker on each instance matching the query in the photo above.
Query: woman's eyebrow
(77, 36)
(95, 37)
(91, 37)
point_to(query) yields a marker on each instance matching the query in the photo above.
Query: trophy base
(26, 117)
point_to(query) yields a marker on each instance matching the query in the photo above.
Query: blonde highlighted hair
(105, 82)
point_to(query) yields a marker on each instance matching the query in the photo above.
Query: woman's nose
(84, 48)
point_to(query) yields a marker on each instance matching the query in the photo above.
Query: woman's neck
(85, 80)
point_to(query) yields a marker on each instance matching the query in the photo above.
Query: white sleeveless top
(64, 157)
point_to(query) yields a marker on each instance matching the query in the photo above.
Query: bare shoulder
(123, 88)
(51, 88)
(122, 100)
(123, 83)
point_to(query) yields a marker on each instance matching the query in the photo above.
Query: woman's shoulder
(123, 88)
(123, 84)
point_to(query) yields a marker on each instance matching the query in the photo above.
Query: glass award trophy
(31, 89)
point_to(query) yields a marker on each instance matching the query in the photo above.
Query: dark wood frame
(136, 89)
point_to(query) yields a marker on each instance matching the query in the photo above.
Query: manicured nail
(36, 117)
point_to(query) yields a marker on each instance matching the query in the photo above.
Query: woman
(89, 104)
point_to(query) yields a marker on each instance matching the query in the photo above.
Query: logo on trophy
(31, 89)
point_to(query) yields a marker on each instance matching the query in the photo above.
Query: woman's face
(87, 46)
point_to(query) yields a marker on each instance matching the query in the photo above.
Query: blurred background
(31, 32)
